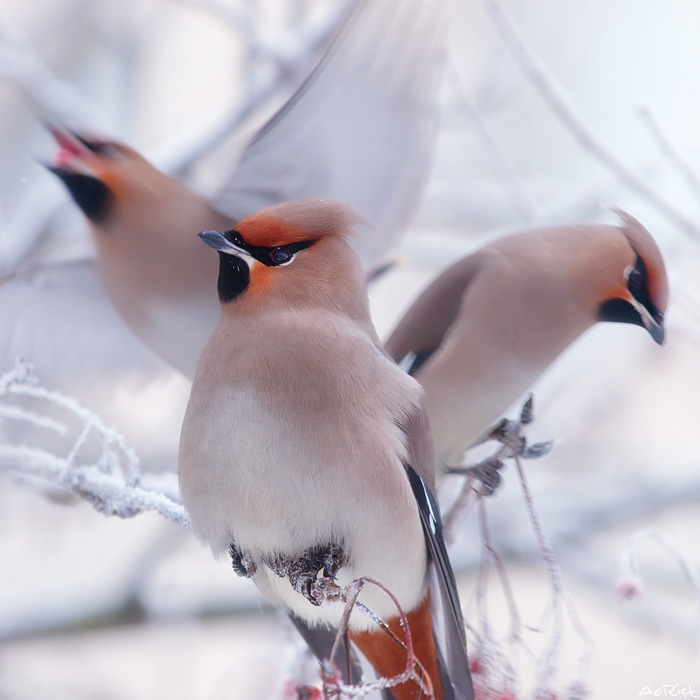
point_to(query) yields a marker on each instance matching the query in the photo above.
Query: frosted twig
(107, 493)
(491, 659)
(333, 687)
(111, 483)
(667, 148)
(21, 414)
(561, 105)
(558, 593)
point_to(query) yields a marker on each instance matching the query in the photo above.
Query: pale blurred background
(96, 608)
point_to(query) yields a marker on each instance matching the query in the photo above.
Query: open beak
(74, 155)
(77, 166)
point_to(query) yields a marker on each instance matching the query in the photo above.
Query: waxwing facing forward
(360, 128)
(304, 452)
(488, 326)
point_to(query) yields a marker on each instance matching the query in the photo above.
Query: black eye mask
(271, 257)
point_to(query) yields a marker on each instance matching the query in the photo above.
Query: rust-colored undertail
(389, 658)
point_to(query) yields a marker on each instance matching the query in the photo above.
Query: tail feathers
(320, 640)
(389, 658)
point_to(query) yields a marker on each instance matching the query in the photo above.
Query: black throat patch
(90, 194)
(619, 311)
(234, 277)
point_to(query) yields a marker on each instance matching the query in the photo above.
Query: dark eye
(634, 281)
(280, 255)
(637, 279)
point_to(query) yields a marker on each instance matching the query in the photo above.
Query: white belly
(278, 478)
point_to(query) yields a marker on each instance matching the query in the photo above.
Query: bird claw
(527, 412)
(333, 559)
(242, 565)
(509, 433)
(485, 471)
(308, 593)
(303, 572)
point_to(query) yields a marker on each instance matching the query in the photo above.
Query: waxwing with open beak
(361, 128)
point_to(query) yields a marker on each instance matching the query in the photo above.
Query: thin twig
(629, 565)
(562, 106)
(523, 202)
(667, 148)
(111, 483)
(414, 671)
(506, 666)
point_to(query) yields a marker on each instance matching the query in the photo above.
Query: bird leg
(242, 565)
(511, 436)
(303, 572)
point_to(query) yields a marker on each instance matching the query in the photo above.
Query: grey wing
(421, 330)
(361, 128)
(450, 634)
(57, 319)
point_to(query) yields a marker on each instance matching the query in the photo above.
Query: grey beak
(655, 326)
(215, 240)
(218, 240)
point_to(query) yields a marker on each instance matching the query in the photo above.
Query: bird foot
(511, 435)
(486, 471)
(303, 572)
(242, 565)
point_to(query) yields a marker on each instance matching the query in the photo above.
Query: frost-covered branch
(333, 686)
(111, 483)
